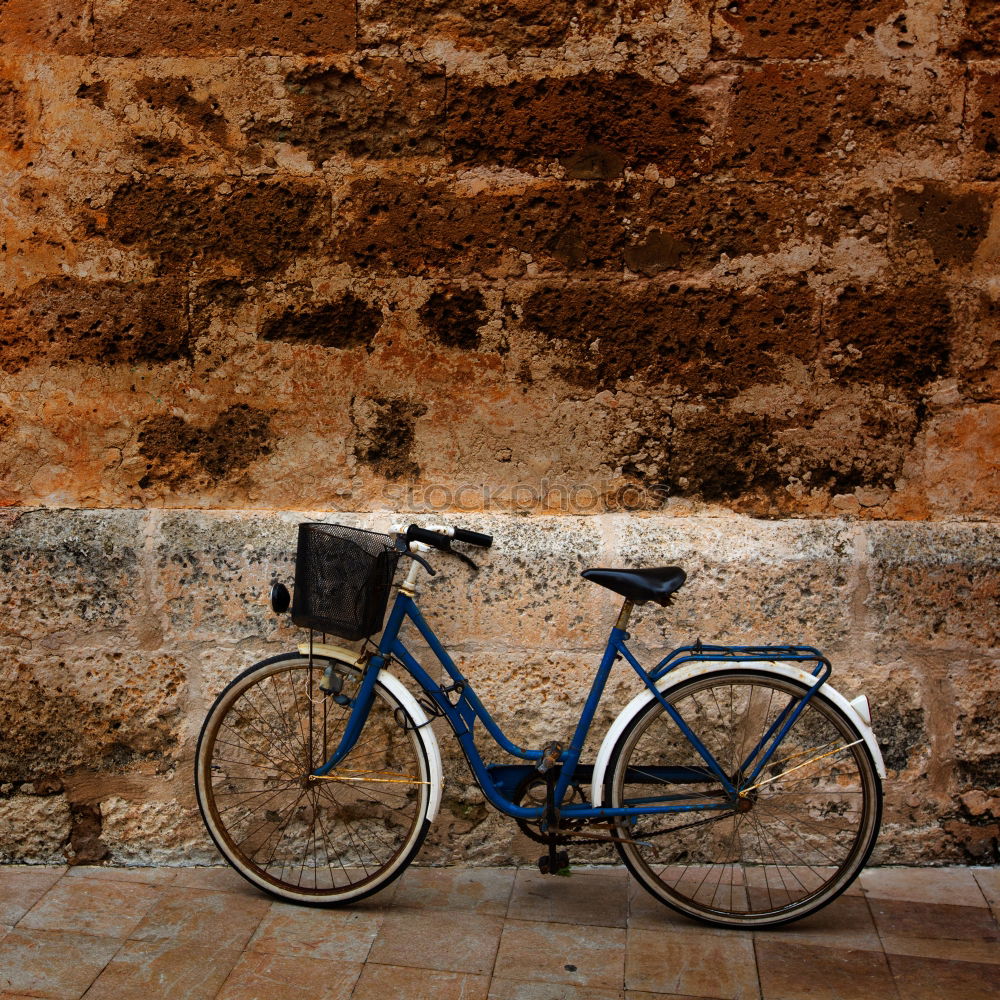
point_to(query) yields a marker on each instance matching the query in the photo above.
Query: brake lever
(464, 558)
(423, 562)
(446, 547)
(403, 548)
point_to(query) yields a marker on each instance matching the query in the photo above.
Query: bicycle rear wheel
(321, 842)
(800, 833)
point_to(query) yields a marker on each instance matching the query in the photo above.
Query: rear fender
(700, 669)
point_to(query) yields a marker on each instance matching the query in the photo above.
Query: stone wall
(699, 282)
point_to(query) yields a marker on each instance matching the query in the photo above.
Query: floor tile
(587, 896)
(989, 881)
(640, 995)
(923, 885)
(562, 953)
(706, 964)
(790, 971)
(960, 933)
(391, 982)
(21, 887)
(513, 989)
(938, 979)
(845, 923)
(149, 876)
(342, 935)
(449, 942)
(645, 911)
(164, 969)
(91, 906)
(193, 934)
(259, 976)
(52, 963)
(648, 913)
(226, 919)
(218, 879)
(481, 890)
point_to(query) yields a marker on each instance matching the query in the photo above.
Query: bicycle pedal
(551, 753)
(561, 866)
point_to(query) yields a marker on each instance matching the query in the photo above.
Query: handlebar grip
(473, 538)
(432, 538)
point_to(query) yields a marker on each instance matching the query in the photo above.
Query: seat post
(625, 614)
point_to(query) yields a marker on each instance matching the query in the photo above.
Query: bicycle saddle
(657, 584)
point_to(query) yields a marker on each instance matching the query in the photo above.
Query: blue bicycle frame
(458, 703)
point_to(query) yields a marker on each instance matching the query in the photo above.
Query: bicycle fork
(360, 704)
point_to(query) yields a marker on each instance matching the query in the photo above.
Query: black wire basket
(343, 577)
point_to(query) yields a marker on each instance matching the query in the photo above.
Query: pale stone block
(74, 573)
(214, 573)
(976, 711)
(95, 709)
(219, 664)
(155, 833)
(528, 593)
(934, 585)
(749, 581)
(35, 828)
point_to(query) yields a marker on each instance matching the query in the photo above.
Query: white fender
(699, 669)
(395, 687)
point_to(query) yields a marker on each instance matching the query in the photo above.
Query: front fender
(395, 687)
(700, 669)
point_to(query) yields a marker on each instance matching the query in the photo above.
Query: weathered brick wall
(699, 282)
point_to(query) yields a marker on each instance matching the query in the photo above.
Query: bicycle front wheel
(325, 841)
(801, 830)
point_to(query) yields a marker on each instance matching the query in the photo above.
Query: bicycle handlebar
(473, 538)
(433, 538)
(439, 535)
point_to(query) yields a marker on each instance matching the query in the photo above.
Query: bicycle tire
(813, 815)
(326, 842)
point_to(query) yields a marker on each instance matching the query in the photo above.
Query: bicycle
(738, 786)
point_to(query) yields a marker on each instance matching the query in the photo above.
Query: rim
(805, 825)
(329, 840)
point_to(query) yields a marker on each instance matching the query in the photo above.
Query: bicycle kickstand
(555, 862)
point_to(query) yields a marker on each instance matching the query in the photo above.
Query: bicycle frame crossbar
(454, 700)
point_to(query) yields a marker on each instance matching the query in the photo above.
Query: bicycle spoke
(267, 820)
(292, 759)
(323, 839)
(304, 726)
(769, 811)
(801, 830)
(246, 799)
(280, 825)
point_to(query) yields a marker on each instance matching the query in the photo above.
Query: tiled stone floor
(474, 933)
